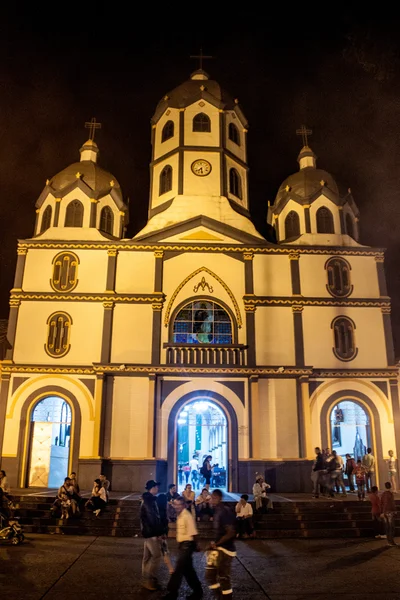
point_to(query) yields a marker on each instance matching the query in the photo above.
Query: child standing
(359, 473)
(388, 510)
(376, 512)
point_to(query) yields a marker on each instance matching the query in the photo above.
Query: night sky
(338, 73)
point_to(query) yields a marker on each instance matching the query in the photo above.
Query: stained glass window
(202, 322)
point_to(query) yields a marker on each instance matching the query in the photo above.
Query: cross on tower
(304, 132)
(92, 125)
(201, 57)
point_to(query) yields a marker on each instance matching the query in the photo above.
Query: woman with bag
(206, 471)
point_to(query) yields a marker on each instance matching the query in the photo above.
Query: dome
(307, 182)
(199, 85)
(88, 171)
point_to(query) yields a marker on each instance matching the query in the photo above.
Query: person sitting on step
(98, 500)
(203, 505)
(244, 518)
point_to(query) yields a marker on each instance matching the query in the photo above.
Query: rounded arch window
(165, 180)
(343, 335)
(74, 214)
(202, 322)
(233, 133)
(58, 334)
(338, 272)
(292, 225)
(201, 122)
(107, 220)
(65, 272)
(324, 220)
(167, 131)
(235, 183)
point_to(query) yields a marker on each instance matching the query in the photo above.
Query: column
(379, 260)
(19, 271)
(307, 217)
(394, 392)
(251, 334)
(304, 418)
(254, 418)
(151, 418)
(276, 224)
(157, 308)
(12, 325)
(5, 384)
(107, 408)
(93, 212)
(387, 328)
(295, 273)
(57, 212)
(111, 270)
(107, 332)
(298, 334)
(342, 223)
(98, 401)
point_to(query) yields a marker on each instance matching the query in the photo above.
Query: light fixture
(181, 422)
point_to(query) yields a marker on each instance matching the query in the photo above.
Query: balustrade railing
(206, 354)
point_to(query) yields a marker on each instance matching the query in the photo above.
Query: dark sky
(340, 76)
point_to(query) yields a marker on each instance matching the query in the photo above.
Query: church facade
(198, 336)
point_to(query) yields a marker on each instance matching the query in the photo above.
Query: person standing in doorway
(186, 472)
(359, 473)
(388, 514)
(318, 467)
(206, 471)
(152, 531)
(368, 463)
(186, 532)
(392, 471)
(222, 550)
(194, 470)
(349, 471)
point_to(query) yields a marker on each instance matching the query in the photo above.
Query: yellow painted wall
(274, 336)
(85, 338)
(130, 417)
(135, 273)
(314, 278)
(132, 333)
(369, 337)
(272, 275)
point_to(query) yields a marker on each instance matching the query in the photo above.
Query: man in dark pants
(222, 550)
(152, 531)
(186, 532)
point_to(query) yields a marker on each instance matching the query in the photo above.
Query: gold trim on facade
(16, 297)
(300, 301)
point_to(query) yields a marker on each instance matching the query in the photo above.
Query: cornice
(188, 247)
(253, 301)
(154, 297)
(354, 373)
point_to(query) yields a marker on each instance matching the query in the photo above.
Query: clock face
(201, 167)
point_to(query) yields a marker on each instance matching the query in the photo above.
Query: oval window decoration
(202, 322)
(65, 272)
(58, 334)
(343, 336)
(339, 282)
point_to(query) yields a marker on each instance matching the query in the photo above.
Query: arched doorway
(350, 429)
(202, 429)
(50, 435)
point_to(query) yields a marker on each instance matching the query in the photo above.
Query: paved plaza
(70, 567)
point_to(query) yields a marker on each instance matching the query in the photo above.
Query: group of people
(329, 469)
(199, 475)
(69, 502)
(154, 526)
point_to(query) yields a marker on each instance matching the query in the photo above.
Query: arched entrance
(350, 429)
(49, 447)
(202, 429)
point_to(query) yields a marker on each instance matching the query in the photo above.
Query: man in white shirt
(186, 531)
(368, 462)
(244, 514)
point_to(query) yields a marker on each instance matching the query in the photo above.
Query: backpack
(204, 470)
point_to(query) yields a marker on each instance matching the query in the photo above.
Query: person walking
(318, 468)
(186, 532)
(368, 462)
(194, 470)
(222, 550)
(152, 531)
(377, 522)
(392, 471)
(359, 473)
(388, 513)
(349, 471)
(206, 471)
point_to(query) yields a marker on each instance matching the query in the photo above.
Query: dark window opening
(233, 134)
(339, 283)
(235, 183)
(343, 331)
(74, 214)
(46, 219)
(324, 220)
(107, 220)
(201, 122)
(168, 131)
(165, 180)
(292, 225)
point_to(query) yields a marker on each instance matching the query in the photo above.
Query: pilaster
(251, 334)
(106, 421)
(380, 270)
(19, 271)
(394, 392)
(307, 218)
(57, 212)
(12, 325)
(111, 270)
(304, 418)
(93, 212)
(295, 273)
(254, 418)
(298, 334)
(4, 387)
(387, 327)
(107, 332)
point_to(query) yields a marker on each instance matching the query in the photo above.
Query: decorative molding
(159, 254)
(268, 248)
(14, 302)
(297, 308)
(379, 258)
(112, 252)
(109, 305)
(22, 251)
(248, 256)
(301, 301)
(157, 306)
(250, 308)
(385, 309)
(203, 285)
(354, 373)
(188, 278)
(294, 256)
(16, 297)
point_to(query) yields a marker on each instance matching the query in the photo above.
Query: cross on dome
(304, 132)
(201, 57)
(92, 125)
